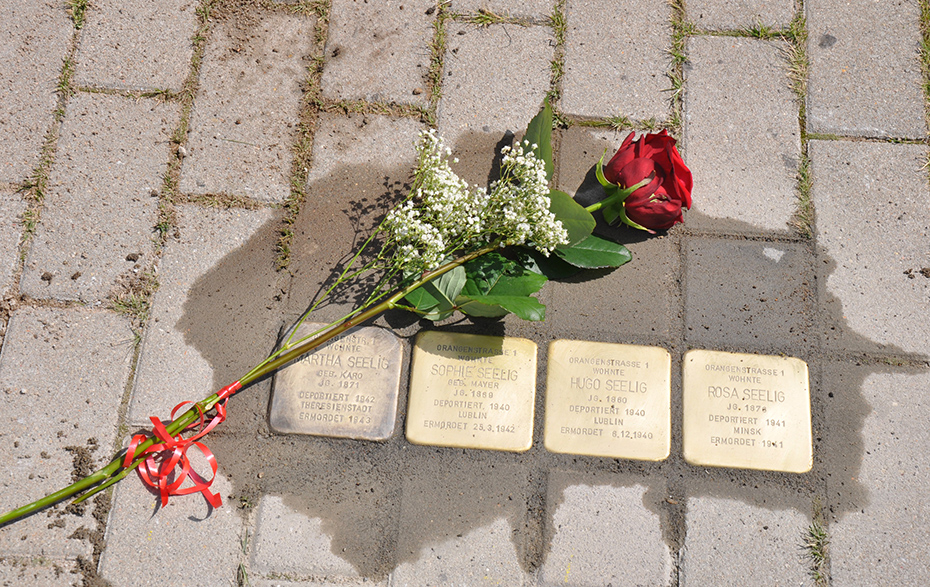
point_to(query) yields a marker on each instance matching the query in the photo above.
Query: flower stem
(114, 471)
(619, 195)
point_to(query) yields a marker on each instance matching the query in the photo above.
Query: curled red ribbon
(161, 458)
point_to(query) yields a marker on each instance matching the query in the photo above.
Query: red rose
(658, 204)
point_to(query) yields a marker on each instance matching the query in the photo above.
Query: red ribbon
(161, 458)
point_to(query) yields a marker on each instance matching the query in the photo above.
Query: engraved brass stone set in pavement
(602, 399)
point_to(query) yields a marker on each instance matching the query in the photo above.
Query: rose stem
(114, 471)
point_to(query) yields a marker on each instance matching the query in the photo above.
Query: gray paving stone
(635, 300)
(97, 220)
(740, 14)
(11, 230)
(600, 532)
(244, 120)
(35, 37)
(873, 225)
(63, 373)
(533, 9)
(731, 543)
(865, 77)
(321, 519)
(290, 543)
(171, 369)
(616, 59)
(361, 165)
(358, 142)
(363, 582)
(378, 51)
(883, 541)
(742, 140)
(755, 295)
(136, 44)
(477, 108)
(38, 572)
(465, 532)
(186, 543)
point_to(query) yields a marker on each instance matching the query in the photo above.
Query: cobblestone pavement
(176, 177)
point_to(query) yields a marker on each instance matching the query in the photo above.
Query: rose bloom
(657, 205)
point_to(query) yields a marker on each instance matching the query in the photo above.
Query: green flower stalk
(115, 470)
(422, 239)
(437, 252)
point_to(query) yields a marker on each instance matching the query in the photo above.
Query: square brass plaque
(608, 400)
(747, 411)
(472, 391)
(347, 388)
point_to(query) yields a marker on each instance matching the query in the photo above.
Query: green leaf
(496, 285)
(494, 274)
(574, 218)
(553, 267)
(434, 299)
(525, 307)
(595, 253)
(612, 212)
(539, 133)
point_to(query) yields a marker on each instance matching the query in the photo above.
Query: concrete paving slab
(186, 543)
(171, 367)
(38, 572)
(731, 543)
(318, 519)
(884, 540)
(12, 207)
(97, 221)
(363, 582)
(379, 51)
(751, 295)
(616, 59)
(476, 108)
(483, 556)
(289, 543)
(636, 302)
(718, 15)
(532, 9)
(35, 38)
(873, 244)
(361, 166)
(600, 532)
(63, 373)
(742, 140)
(467, 534)
(243, 123)
(136, 45)
(633, 301)
(865, 77)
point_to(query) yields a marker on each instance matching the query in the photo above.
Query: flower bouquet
(446, 247)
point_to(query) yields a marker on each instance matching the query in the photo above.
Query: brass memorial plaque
(747, 411)
(472, 391)
(608, 400)
(347, 388)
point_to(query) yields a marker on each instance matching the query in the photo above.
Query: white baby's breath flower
(445, 215)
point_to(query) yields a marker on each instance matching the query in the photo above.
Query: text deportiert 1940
(472, 391)
(608, 400)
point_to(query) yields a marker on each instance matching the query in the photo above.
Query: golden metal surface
(472, 391)
(608, 400)
(347, 388)
(746, 411)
